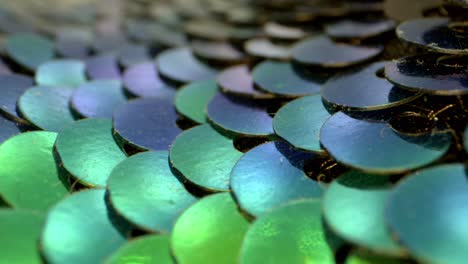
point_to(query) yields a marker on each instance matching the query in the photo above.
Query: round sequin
(210, 230)
(238, 81)
(143, 189)
(434, 34)
(239, 116)
(148, 249)
(299, 122)
(424, 73)
(290, 234)
(98, 99)
(204, 157)
(284, 33)
(403, 10)
(20, 231)
(47, 107)
(29, 177)
(132, 54)
(323, 52)
(426, 211)
(103, 67)
(192, 99)
(13, 86)
(349, 29)
(358, 257)
(281, 78)
(87, 150)
(147, 123)
(64, 73)
(217, 52)
(354, 208)
(142, 80)
(364, 90)
(206, 29)
(73, 42)
(181, 66)
(264, 49)
(362, 144)
(84, 221)
(270, 175)
(29, 50)
(8, 129)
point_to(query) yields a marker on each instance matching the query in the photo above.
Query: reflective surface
(320, 51)
(191, 100)
(86, 213)
(38, 185)
(61, 73)
(294, 233)
(143, 189)
(281, 78)
(210, 229)
(239, 116)
(147, 124)
(88, 151)
(368, 92)
(271, 175)
(47, 107)
(20, 231)
(180, 66)
(441, 191)
(299, 122)
(98, 99)
(204, 157)
(361, 144)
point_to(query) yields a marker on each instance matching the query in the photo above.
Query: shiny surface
(271, 175)
(238, 81)
(8, 129)
(102, 67)
(361, 144)
(132, 54)
(88, 151)
(13, 86)
(142, 80)
(426, 211)
(299, 122)
(263, 48)
(191, 100)
(349, 29)
(147, 124)
(239, 116)
(29, 177)
(148, 249)
(143, 189)
(433, 34)
(220, 52)
(366, 258)
(80, 229)
(29, 50)
(204, 157)
(98, 99)
(281, 78)
(181, 66)
(210, 230)
(423, 73)
(47, 107)
(354, 208)
(363, 90)
(290, 234)
(321, 51)
(63, 73)
(20, 231)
